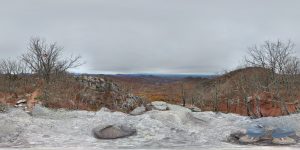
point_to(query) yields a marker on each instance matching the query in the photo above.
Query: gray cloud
(160, 36)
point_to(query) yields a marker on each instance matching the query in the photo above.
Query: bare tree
(292, 67)
(46, 59)
(273, 55)
(216, 95)
(278, 57)
(11, 70)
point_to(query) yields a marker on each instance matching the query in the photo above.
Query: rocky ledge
(174, 128)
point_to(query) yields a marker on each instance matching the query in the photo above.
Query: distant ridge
(169, 75)
(178, 76)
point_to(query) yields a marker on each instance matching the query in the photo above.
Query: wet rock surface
(170, 129)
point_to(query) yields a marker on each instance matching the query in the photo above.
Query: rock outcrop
(98, 83)
(131, 102)
(59, 129)
(103, 92)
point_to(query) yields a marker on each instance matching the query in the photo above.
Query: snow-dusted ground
(60, 129)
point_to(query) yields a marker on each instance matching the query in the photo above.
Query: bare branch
(45, 59)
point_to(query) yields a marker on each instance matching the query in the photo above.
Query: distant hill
(173, 76)
(146, 75)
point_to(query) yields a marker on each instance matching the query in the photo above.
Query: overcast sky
(149, 36)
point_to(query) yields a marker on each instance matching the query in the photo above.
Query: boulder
(113, 131)
(21, 103)
(138, 111)
(149, 107)
(284, 141)
(132, 102)
(159, 105)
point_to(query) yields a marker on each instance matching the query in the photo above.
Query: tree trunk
(247, 106)
(257, 102)
(182, 95)
(228, 108)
